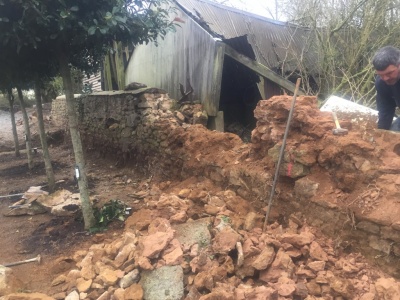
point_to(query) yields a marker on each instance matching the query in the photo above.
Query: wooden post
(211, 103)
(261, 70)
(119, 65)
(261, 87)
(217, 123)
(107, 74)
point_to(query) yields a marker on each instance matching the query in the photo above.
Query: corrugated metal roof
(277, 45)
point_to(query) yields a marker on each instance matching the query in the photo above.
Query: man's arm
(385, 104)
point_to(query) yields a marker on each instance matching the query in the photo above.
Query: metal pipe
(281, 153)
(12, 195)
(37, 258)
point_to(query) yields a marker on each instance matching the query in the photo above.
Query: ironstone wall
(146, 126)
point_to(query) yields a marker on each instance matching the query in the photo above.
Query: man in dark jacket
(386, 62)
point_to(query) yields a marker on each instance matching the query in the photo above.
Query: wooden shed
(223, 57)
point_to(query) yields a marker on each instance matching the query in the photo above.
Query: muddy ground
(25, 237)
(53, 238)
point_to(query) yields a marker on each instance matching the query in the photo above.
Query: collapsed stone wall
(346, 185)
(146, 127)
(350, 180)
(131, 124)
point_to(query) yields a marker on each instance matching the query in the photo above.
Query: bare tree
(345, 36)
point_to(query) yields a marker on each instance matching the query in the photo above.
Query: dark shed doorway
(239, 97)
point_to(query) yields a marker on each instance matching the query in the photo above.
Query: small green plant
(226, 219)
(112, 210)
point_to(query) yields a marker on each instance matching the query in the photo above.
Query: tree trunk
(27, 129)
(14, 127)
(80, 167)
(43, 140)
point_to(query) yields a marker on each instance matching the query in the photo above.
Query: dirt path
(25, 237)
(6, 136)
(54, 238)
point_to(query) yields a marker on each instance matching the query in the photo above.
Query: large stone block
(163, 283)
(9, 283)
(368, 227)
(305, 188)
(194, 232)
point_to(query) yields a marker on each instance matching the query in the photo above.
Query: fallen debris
(216, 257)
(204, 228)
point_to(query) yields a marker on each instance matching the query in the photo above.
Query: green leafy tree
(54, 86)
(20, 70)
(78, 33)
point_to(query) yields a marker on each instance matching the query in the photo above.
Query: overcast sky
(259, 7)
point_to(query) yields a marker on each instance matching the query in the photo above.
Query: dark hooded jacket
(387, 99)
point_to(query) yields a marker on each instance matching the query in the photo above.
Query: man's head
(386, 62)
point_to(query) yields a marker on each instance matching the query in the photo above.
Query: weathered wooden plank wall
(191, 55)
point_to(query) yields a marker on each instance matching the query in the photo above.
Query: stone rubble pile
(337, 176)
(165, 254)
(37, 201)
(194, 244)
(355, 173)
(311, 142)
